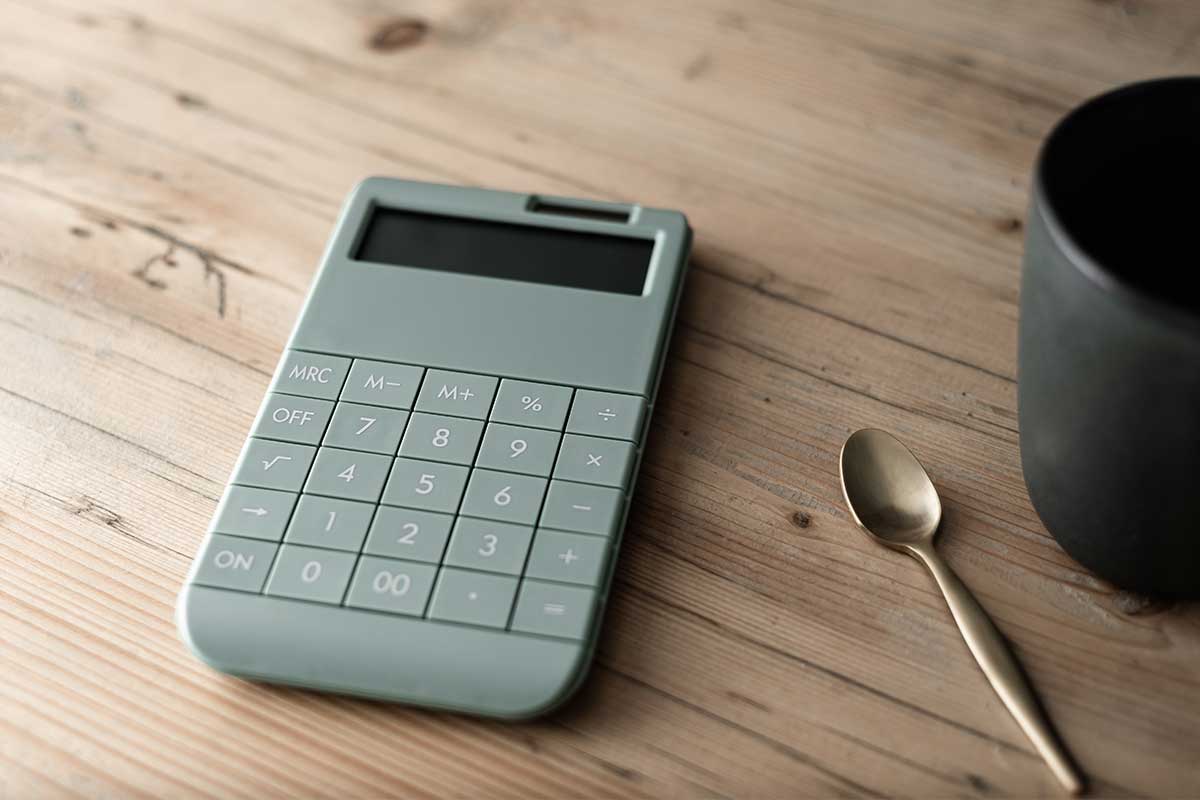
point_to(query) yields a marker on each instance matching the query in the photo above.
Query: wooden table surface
(857, 176)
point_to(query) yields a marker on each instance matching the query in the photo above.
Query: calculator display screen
(501, 250)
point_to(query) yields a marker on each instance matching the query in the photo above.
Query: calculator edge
(572, 663)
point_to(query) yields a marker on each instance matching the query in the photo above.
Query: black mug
(1109, 361)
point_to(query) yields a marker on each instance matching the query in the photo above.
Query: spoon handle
(1002, 670)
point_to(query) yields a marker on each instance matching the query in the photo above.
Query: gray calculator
(430, 502)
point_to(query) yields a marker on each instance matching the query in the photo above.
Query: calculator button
(370, 428)
(293, 419)
(438, 438)
(490, 546)
(409, 534)
(311, 375)
(310, 573)
(473, 598)
(382, 384)
(567, 557)
(537, 405)
(257, 513)
(504, 496)
(554, 610)
(398, 587)
(273, 465)
(457, 393)
(526, 450)
(618, 416)
(348, 474)
(426, 485)
(583, 508)
(589, 459)
(230, 562)
(326, 522)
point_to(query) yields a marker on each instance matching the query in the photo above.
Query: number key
(399, 587)
(503, 496)
(310, 573)
(439, 438)
(426, 485)
(349, 474)
(370, 428)
(487, 545)
(326, 522)
(526, 450)
(405, 533)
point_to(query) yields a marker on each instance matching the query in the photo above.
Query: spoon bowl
(892, 499)
(887, 490)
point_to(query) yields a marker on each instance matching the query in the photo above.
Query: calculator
(430, 502)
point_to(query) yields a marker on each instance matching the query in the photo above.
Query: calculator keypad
(452, 496)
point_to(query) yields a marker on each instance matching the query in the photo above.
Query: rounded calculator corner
(552, 695)
(368, 184)
(188, 624)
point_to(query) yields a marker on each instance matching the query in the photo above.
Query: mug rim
(1095, 271)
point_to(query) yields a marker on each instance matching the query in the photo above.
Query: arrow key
(256, 513)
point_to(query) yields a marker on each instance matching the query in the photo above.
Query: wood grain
(856, 174)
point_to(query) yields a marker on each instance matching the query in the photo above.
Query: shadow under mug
(1109, 356)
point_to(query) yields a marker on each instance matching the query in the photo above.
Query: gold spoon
(892, 499)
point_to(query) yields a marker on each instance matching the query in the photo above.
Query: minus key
(582, 508)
